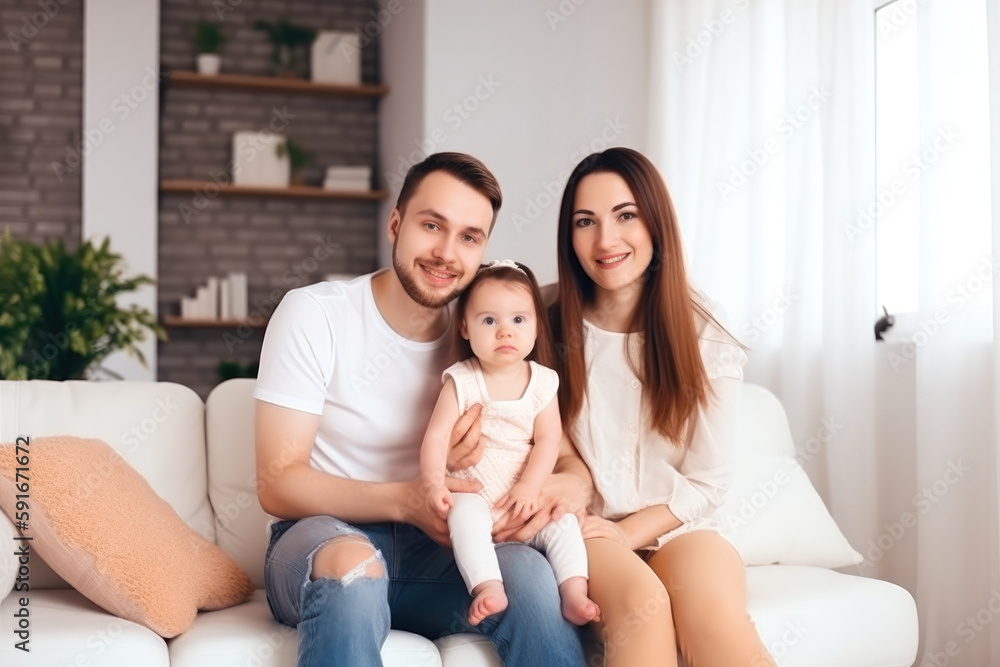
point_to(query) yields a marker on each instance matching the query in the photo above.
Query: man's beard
(409, 283)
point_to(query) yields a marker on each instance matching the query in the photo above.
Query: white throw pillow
(772, 512)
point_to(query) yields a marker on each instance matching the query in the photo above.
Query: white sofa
(199, 457)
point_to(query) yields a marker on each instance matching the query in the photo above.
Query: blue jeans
(421, 591)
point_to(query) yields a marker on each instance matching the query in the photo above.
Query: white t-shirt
(328, 351)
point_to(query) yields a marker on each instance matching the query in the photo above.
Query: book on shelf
(348, 178)
(219, 298)
(346, 185)
(238, 294)
(225, 299)
(203, 303)
(212, 297)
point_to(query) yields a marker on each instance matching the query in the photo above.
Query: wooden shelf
(275, 84)
(210, 187)
(177, 321)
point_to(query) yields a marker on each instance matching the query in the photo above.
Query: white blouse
(633, 465)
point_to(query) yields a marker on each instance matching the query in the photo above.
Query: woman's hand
(563, 493)
(595, 526)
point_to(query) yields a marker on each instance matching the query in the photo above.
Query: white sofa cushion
(69, 629)
(240, 523)
(467, 650)
(814, 617)
(248, 635)
(772, 512)
(157, 427)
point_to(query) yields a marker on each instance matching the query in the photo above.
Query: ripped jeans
(346, 622)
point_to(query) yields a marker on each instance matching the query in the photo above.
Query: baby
(505, 342)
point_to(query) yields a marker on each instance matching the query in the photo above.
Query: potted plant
(208, 39)
(60, 317)
(233, 369)
(298, 158)
(289, 42)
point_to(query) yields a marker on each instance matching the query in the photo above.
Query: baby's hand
(521, 501)
(439, 500)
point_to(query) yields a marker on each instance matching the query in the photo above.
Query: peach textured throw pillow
(99, 524)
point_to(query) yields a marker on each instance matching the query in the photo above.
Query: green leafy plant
(233, 369)
(298, 157)
(60, 317)
(208, 37)
(288, 39)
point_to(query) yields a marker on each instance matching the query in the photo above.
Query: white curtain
(762, 119)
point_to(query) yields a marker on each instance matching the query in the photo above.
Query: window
(932, 154)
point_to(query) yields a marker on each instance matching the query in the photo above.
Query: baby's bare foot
(577, 608)
(490, 599)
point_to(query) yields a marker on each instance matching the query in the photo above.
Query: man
(348, 377)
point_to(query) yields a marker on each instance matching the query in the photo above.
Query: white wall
(401, 116)
(530, 88)
(121, 62)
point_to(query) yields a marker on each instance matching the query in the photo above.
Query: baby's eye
(518, 320)
(489, 320)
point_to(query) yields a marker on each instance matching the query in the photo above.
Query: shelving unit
(191, 186)
(274, 84)
(198, 342)
(189, 322)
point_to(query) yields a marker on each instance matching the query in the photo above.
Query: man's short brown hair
(464, 167)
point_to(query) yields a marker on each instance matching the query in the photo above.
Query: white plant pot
(208, 63)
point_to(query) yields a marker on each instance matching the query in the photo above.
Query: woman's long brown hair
(674, 379)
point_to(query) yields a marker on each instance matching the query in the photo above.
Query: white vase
(208, 63)
(256, 160)
(336, 58)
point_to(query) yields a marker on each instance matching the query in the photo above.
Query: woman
(649, 390)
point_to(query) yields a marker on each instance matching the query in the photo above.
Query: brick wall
(41, 73)
(280, 243)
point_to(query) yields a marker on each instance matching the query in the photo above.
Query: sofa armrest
(8, 561)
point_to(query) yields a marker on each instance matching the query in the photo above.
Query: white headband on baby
(501, 264)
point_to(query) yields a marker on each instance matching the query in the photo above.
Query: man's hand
(418, 512)
(440, 500)
(467, 443)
